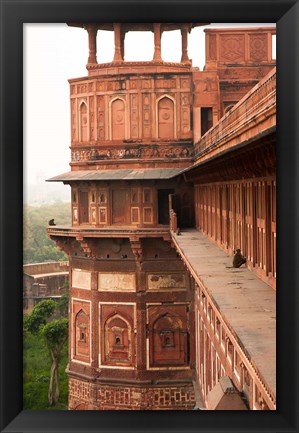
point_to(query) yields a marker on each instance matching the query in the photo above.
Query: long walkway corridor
(245, 302)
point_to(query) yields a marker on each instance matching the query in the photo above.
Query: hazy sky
(54, 53)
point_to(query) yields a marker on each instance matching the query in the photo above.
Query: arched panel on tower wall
(83, 121)
(80, 331)
(82, 335)
(166, 118)
(117, 119)
(168, 337)
(117, 340)
(117, 327)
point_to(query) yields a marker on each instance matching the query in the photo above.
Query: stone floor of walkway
(245, 302)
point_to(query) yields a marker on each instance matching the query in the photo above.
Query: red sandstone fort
(172, 170)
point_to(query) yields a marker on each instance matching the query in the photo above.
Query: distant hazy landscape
(44, 193)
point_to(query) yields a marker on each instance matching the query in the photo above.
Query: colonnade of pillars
(119, 42)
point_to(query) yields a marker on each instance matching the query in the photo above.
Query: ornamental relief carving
(165, 84)
(145, 152)
(100, 86)
(258, 47)
(212, 47)
(185, 99)
(232, 48)
(164, 281)
(82, 88)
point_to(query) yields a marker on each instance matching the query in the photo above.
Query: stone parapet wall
(45, 268)
(42, 281)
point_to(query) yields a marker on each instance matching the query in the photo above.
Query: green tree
(54, 333)
(63, 305)
(37, 246)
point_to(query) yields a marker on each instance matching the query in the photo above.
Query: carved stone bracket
(86, 245)
(63, 243)
(136, 248)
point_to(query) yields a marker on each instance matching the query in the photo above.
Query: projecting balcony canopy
(122, 174)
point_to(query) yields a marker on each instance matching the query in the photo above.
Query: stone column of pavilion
(119, 38)
(92, 43)
(157, 39)
(184, 34)
(118, 55)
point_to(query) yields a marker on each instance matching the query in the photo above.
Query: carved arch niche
(166, 118)
(82, 336)
(118, 341)
(83, 121)
(117, 119)
(169, 339)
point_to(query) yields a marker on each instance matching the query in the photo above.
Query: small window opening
(82, 334)
(167, 341)
(206, 119)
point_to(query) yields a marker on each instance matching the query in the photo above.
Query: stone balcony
(66, 236)
(253, 117)
(111, 232)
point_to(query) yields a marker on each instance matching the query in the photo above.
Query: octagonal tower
(131, 312)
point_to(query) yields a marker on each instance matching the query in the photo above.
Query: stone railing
(252, 108)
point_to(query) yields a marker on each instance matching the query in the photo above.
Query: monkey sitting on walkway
(238, 259)
(51, 222)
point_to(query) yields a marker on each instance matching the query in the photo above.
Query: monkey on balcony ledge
(238, 259)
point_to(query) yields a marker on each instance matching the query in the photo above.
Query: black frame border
(285, 13)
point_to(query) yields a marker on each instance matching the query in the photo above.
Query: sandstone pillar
(117, 43)
(122, 45)
(184, 33)
(92, 43)
(157, 39)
